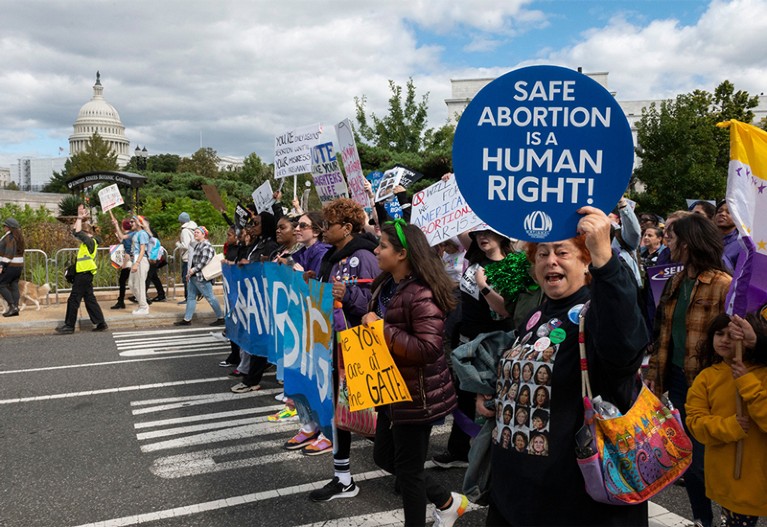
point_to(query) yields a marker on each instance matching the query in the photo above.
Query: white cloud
(240, 72)
(665, 58)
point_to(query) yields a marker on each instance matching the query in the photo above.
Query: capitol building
(98, 116)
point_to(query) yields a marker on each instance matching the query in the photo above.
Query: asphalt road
(125, 428)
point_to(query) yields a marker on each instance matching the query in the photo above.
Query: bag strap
(585, 383)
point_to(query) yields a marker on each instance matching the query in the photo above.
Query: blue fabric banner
(273, 312)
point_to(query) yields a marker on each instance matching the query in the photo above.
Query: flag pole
(739, 413)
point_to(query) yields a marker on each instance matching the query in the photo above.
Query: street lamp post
(141, 157)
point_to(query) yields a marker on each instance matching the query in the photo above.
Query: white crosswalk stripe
(170, 341)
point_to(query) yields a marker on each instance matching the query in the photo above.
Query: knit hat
(203, 230)
(183, 217)
(11, 223)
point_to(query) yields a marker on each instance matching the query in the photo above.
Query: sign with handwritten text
(110, 197)
(292, 151)
(371, 375)
(328, 179)
(441, 212)
(352, 164)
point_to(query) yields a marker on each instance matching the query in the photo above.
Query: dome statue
(97, 115)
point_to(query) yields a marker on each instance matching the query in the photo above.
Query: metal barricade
(67, 256)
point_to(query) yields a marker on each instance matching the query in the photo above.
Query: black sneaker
(158, 299)
(101, 327)
(334, 489)
(119, 305)
(65, 330)
(448, 460)
(218, 322)
(183, 322)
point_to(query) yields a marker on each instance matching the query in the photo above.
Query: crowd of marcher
(517, 307)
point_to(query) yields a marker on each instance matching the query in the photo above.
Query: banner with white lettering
(292, 151)
(352, 164)
(328, 179)
(274, 313)
(537, 144)
(441, 212)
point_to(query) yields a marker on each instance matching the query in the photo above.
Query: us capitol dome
(97, 115)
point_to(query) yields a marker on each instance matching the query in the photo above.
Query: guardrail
(53, 271)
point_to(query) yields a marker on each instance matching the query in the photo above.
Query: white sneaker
(281, 397)
(140, 311)
(449, 516)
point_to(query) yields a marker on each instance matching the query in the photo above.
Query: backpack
(154, 249)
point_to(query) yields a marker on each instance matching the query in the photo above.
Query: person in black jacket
(571, 272)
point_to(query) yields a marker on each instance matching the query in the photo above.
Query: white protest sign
(110, 197)
(441, 212)
(391, 179)
(328, 179)
(263, 197)
(292, 151)
(352, 164)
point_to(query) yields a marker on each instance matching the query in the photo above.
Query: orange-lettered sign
(371, 375)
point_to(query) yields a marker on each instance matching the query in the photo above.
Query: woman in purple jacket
(349, 259)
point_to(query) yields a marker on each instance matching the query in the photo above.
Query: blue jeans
(205, 288)
(694, 482)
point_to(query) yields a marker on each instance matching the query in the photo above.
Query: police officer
(82, 286)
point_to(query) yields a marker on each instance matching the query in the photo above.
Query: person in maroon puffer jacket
(412, 295)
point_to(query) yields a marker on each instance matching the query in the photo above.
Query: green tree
(683, 153)
(11, 186)
(254, 171)
(96, 156)
(58, 183)
(204, 163)
(401, 136)
(402, 129)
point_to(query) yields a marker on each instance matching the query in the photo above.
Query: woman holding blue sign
(572, 273)
(412, 295)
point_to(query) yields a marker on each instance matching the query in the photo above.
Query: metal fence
(40, 269)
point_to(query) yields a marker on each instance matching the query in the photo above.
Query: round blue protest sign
(535, 145)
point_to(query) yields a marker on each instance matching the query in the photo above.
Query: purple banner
(658, 275)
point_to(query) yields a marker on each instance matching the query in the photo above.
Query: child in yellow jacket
(712, 419)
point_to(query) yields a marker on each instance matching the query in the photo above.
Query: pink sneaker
(300, 440)
(321, 445)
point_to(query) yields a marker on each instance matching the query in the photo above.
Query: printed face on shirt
(389, 259)
(527, 372)
(520, 441)
(524, 396)
(506, 437)
(543, 375)
(559, 268)
(538, 445)
(507, 414)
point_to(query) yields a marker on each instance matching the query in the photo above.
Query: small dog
(28, 291)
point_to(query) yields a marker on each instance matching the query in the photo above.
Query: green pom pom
(510, 276)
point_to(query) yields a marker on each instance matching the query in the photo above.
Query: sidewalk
(45, 321)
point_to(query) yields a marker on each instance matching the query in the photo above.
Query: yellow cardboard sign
(371, 375)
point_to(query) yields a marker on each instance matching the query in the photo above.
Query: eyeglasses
(303, 226)
(326, 226)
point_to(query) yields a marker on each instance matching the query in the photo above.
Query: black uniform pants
(82, 289)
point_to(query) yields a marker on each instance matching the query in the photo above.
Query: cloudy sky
(236, 73)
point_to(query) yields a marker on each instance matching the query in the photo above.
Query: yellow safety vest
(86, 261)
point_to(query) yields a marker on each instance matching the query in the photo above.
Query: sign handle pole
(295, 183)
